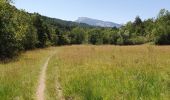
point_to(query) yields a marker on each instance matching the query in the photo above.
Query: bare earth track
(41, 86)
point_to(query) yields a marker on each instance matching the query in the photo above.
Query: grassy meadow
(19, 78)
(110, 73)
(87, 72)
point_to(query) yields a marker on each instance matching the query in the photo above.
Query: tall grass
(19, 79)
(111, 73)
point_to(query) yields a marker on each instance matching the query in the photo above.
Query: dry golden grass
(111, 72)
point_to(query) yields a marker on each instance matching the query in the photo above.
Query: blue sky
(119, 11)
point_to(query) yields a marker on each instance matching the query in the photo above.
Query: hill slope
(95, 22)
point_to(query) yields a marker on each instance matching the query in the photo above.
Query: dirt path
(41, 86)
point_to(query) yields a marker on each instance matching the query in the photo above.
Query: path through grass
(19, 79)
(42, 85)
(90, 73)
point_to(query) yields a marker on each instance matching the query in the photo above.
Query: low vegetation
(19, 79)
(88, 72)
(110, 73)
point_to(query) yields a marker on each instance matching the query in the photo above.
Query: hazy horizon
(118, 11)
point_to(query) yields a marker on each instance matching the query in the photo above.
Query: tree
(78, 36)
(114, 37)
(149, 25)
(8, 41)
(137, 21)
(162, 28)
(95, 37)
(120, 41)
(42, 35)
(6, 1)
(62, 38)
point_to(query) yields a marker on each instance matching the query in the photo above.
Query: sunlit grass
(91, 73)
(111, 72)
(19, 79)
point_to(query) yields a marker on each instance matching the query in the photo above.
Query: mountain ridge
(96, 22)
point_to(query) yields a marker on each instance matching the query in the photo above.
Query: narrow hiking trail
(41, 86)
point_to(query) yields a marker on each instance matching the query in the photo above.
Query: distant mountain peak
(96, 22)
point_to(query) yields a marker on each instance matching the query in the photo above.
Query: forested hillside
(20, 31)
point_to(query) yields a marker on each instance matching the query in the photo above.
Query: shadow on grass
(10, 59)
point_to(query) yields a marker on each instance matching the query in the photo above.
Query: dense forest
(21, 31)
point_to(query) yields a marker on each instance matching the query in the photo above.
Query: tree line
(21, 31)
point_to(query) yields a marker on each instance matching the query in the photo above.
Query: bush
(163, 39)
(137, 40)
(120, 41)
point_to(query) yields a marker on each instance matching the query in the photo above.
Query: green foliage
(6, 1)
(78, 36)
(138, 21)
(96, 36)
(25, 31)
(120, 41)
(8, 41)
(41, 31)
(162, 31)
(20, 30)
(138, 40)
(62, 38)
